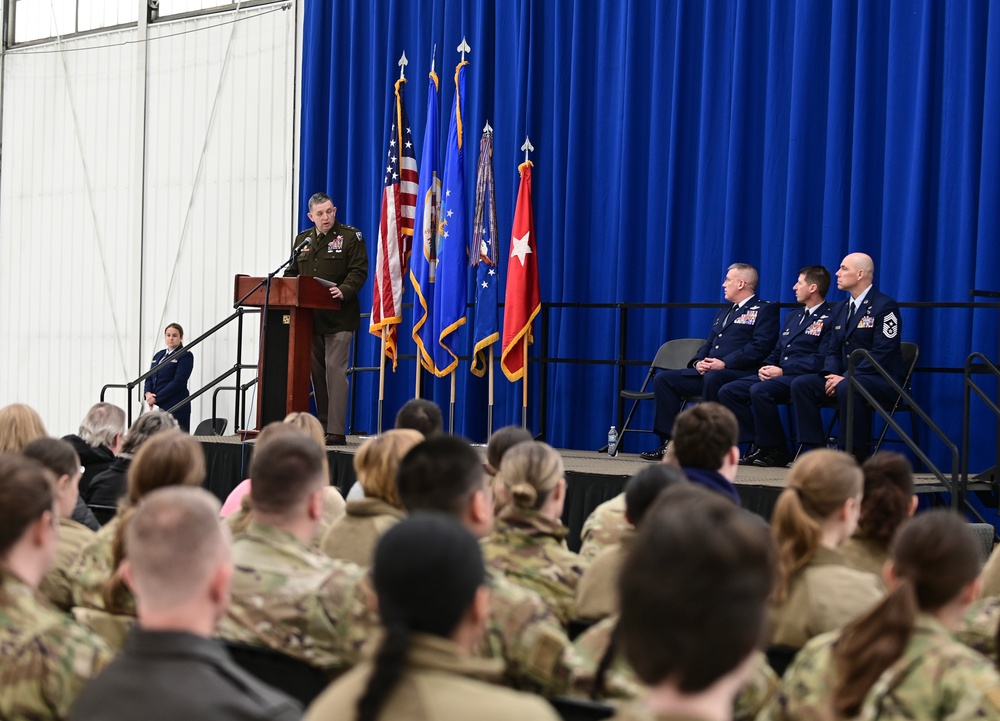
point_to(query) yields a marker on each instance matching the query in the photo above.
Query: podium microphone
(299, 247)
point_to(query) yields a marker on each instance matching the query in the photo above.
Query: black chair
(285, 673)
(103, 514)
(211, 427)
(985, 533)
(911, 352)
(576, 709)
(780, 658)
(672, 355)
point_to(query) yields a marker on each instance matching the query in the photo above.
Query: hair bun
(524, 494)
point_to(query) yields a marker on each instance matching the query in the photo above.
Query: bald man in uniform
(868, 320)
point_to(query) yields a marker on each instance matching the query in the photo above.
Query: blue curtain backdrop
(671, 139)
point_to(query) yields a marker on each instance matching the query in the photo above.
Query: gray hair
(749, 271)
(318, 198)
(102, 423)
(146, 425)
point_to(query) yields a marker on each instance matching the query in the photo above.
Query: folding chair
(911, 352)
(672, 355)
(211, 427)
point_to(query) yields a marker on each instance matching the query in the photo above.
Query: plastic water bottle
(612, 442)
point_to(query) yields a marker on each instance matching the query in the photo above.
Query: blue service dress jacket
(876, 326)
(741, 338)
(169, 383)
(802, 344)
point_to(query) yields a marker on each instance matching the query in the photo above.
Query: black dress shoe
(655, 456)
(773, 458)
(750, 458)
(335, 439)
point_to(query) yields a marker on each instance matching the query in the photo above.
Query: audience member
(434, 599)
(528, 543)
(444, 474)
(606, 524)
(818, 590)
(499, 443)
(19, 426)
(887, 503)
(179, 567)
(597, 594)
(169, 458)
(899, 661)
(354, 536)
(694, 591)
(286, 596)
(98, 441)
(705, 438)
(110, 485)
(743, 333)
(47, 658)
(60, 458)
(421, 415)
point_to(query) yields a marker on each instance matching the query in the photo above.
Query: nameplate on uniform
(866, 322)
(748, 318)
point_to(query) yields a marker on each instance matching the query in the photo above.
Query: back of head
(101, 424)
(285, 470)
(935, 558)
(703, 435)
(174, 544)
(19, 426)
(820, 482)
(421, 415)
(377, 463)
(27, 490)
(440, 474)
(501, 442)
(307, 424)
(531, 471)
(711, 564)
(888, 495)
(145, 426)
(55, 454)
(644, 487)
(169, 458)
(427, 572)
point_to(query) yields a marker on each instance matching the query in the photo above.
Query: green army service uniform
(530, 550)
(341, 257)
(57, 585)
(297, 601)
(603, 528)
(621, 683)
(46, 657)
(439, 683)
(937, 677)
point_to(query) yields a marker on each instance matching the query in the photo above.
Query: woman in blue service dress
(168, 386)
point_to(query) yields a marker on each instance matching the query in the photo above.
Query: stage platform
(591, 478)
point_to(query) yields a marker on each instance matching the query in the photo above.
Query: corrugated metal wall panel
(218, 182)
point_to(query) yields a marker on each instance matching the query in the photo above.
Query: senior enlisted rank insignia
(890, 326)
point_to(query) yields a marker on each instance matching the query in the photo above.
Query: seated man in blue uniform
(755, 400)
(742, 335)
(869, 320)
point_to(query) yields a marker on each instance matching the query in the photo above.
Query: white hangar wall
(136, 180)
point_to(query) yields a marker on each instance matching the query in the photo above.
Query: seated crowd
(444, 588)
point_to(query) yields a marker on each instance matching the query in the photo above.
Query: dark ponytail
(427, 571)
(934, 557)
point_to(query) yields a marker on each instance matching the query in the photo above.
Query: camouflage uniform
(935, 678)
(333, 509)
(991, 574)
(297, 601)
(530, 549)
(604, 527)
(93, 567)
(620, 683)
(524, 633)
(46, 657)
(354, 537)
(57, 586)
(979, 627)
(597, 594)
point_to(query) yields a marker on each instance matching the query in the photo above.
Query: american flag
(395, 231)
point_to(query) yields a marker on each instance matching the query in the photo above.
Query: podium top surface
(297, 292)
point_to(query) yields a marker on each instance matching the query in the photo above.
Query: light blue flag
(424, 261)
(448, 311)
(484, 249)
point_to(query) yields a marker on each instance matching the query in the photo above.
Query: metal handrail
(968, 386)
(955, 486)
(237, 315)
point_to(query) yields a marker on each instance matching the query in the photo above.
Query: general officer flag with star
(524, 298)
(484, 239)
(448, 311)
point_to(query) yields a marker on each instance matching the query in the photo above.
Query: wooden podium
(286, 356)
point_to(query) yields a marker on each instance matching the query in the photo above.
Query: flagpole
(451, 411)
(416, 382)
(489, 411)
(381, 381)
(524, 386)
